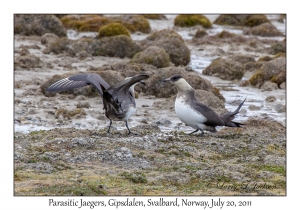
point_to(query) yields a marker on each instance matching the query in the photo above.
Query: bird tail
(228, 117)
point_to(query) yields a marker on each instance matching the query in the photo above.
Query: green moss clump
(225, 34)
(255, 20)
(257, 78)
(241, 20)
(155, 16)
(84, 22)
(192, 20)
(136, 177)
(113, 29)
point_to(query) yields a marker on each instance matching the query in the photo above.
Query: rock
(84, 22)
(241, 20)
(279, 78)
(38, 25)
(111, 77)
(155, 86)
(115, 46)
(95, 22)
(210, 100)
(279, 47)
(28, 62)
(163, 121)
(253, 107)
(128, 69)
(243, 59)
(192, 20)
(253, 66)
(265, 29)
(133, 22)
(83, 105)
(280, 108)
(268, 86)
(83, 55)
(113, 29)
(225, 69)
(153, 55)
(270, 99)
(268, 71)
(49, 38)
(24, 51)
(155, 16)
(200, 33)
(282, 86)
(173, 44)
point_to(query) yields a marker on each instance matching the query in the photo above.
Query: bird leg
(193, 131)
(202, 132)
(110, 122)
(129, 132)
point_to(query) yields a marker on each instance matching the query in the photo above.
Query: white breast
(130, 112)
(188, 115)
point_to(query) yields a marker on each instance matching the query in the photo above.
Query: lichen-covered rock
(128, 69)
(243, 59)
(113, 29)
(241, 20)
(155, 85)
(156, 56)
(134, 23)
(279, 47)
(84, 22)
(192, 20)
(265, 29)
(200, 34)
(173, 44)
(225, 69)
(154, 16)
(211, 100)
(115, 46)
(28, 62)
(49, 38)
(268, 71)
(269, 86)
(253, 66)
(95, 22)
(38, 25)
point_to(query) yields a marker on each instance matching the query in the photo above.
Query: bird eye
(175, 78)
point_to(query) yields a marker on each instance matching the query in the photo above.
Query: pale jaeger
(118, 100)
(195, 114)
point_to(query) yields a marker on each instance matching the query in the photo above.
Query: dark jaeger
(118, 100)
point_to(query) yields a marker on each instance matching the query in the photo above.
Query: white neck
(182, 85)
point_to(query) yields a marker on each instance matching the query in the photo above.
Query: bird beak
(166, 80)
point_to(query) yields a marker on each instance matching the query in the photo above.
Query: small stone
(270, 99)
(163, 121)
(268, 86)
(253, 107)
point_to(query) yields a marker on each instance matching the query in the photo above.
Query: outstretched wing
(120, 91)
(79, 80)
